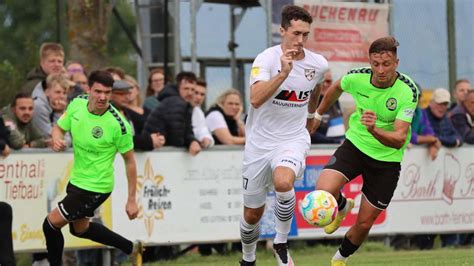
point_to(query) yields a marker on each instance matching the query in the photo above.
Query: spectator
(461, 87)
(4, 134)
(437, 115)
(73, 67)
(51, 62)
(422, 133)
(172, 118)
(223, 119)
(134, 104)
(332, 128)
(462, 117)
(200, 130)
(23, 134)
(156, 83)
(50, 103)
(81, 85)
(116, 72)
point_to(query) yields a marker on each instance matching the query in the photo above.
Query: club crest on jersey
(309, 74)
(391, 104)
(97, 132)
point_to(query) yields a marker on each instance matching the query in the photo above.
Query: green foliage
(26, 24)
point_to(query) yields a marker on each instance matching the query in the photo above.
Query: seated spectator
(200, 130)
(172, 117)
(223, 119)
(51, 62)
(331, 129)
(422, 133)
(51, 103)
(462, 117)
(4, 134)
(23, 134)
(437, 115)
(156, 83)
(461, 87)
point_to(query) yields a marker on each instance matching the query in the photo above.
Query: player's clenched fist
(287, 60)
(368, 119)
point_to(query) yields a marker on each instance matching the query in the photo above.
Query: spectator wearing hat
(438, 117)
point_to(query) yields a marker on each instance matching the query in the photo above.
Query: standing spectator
(73, 67)
(116, 72)
(331, 129)
(223, 119)
(172, 118)
(200, 130)
(156, 83)
(134, 108)
(23, 134)
(80, 85)
(51, 62)
(437, 114)
(461, 87)
(462, 117)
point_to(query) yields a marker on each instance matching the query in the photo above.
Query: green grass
(369, 254)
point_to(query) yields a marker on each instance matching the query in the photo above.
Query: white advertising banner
(185, 199)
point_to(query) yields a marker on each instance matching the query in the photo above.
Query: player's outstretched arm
(131, 169)
(57, 139)
(395, 139)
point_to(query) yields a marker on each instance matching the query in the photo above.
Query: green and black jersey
(96, 140)
(396, 102)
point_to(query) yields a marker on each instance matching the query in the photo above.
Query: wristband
(315, 115)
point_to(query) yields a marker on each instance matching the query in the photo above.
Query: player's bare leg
(249, 234)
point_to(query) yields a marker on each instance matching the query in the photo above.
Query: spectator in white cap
(437, 114)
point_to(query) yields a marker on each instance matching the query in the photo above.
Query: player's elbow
(255, 103)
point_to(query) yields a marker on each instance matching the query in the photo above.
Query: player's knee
(76, 232)
(364, 225)
(283, 186)
(252, 216)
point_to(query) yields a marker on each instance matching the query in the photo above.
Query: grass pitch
(370, 254)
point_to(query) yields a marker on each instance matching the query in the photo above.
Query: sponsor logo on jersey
(409, 113)
(293, 96)
(97, 132)
(255, 71)
(391, 104)
(310, 73)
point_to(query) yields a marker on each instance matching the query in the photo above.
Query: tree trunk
(87, 32)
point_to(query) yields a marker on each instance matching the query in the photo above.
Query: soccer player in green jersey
(98, 132)
(379, 132)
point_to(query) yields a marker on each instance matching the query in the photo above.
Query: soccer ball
(318, 208)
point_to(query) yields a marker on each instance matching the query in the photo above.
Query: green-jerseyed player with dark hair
(379, 132)
(98, 131)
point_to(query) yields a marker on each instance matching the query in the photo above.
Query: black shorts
(380, 178)
(80, 203)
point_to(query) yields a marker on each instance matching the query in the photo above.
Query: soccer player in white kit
(284, 90)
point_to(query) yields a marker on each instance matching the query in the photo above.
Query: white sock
(249, 234)
(338, 256)
(284, 211)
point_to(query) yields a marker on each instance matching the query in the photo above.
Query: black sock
(54, 243)
(341, 202)
(347, 248)
(101, 234)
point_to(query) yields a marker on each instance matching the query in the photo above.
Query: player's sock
(341, 202)
(249, 234)
(347, 248)
(101, 234)
(54, 243)
(338, 256)
(284, 209)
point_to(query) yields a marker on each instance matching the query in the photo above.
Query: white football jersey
(282, 118)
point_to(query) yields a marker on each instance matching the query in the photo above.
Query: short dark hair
(101, 76)
(291, 12)
(20, 95)
(201, 82)
(185, 75)
(384, 44)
